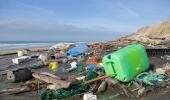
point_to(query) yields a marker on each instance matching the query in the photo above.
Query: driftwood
(51, 75)
(53, 80)
(96, 79)
(16, 90)
(111, 81)
(28, 86)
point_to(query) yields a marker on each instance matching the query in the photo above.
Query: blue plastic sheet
(79, 49)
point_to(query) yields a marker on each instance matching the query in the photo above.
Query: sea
(14, 45)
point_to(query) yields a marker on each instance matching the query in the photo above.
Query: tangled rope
(152, 79)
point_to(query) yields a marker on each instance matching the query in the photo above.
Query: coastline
(7, 56)
(34, 49)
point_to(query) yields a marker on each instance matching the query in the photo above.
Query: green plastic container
(126, 63)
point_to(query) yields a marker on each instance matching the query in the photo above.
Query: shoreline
(5, 61)
(33, 49)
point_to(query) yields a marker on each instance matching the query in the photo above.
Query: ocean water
(14, 45)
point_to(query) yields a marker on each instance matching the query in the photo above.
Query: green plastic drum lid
(126, 63)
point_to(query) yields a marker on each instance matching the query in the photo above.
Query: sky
(77, 20)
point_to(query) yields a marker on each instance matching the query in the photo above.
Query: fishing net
(153, 79)
(80, 68)
(90, 75)
(63, 93)
(37, 65)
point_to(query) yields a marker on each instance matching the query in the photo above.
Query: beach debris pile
(87, 71)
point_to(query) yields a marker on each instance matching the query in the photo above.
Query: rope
(152, 79)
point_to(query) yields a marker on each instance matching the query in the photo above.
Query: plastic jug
(126, 63)
(53, 66)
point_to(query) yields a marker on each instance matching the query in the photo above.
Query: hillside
(161, 29)
(154, 34)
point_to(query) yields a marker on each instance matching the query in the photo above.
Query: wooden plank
(96, 79)
(55, 81)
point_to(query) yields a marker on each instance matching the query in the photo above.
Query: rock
(111, 81)
(141, 91)
(102, 87)
(160, 70)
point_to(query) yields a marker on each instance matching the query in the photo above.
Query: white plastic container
(89, 96)
(21, 59)
(43, 57)
(20, 53)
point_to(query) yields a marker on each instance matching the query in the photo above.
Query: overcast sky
(77, 20)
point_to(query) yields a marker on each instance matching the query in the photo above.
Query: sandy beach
(6, 57)
(6, 60)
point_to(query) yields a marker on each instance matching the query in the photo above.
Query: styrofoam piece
(73, 66)
(89, 96)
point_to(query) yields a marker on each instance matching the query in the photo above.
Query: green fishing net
(63, 93)
(152, 78)
(37, 64)
(90, 75)
(80, 68)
